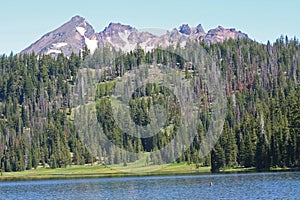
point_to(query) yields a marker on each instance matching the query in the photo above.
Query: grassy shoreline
(73, 172)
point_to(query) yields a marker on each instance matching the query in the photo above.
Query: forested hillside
(261, 128)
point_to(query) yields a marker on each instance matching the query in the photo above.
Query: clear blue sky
(24, 22)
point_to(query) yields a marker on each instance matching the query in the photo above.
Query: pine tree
(218, 160)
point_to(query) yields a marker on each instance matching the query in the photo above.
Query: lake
(279, 185)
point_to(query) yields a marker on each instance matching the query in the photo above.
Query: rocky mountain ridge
(77, 33)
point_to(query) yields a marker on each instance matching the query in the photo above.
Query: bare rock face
(199, 29)
(115, 28)
(123, 37)
(77, 34)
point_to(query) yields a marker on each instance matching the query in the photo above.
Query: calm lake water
(225, 186)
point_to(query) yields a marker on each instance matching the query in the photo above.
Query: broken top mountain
(77, 34)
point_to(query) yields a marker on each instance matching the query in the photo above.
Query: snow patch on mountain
(124, 36)
(81, 30)
(128, 47)
(50, 51)
(92, 45)
(59, 45)
(147, 46)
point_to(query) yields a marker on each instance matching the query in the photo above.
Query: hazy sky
(24, 22)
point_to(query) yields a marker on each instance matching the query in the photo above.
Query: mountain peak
(116, 27)
(199, 29)
(65, 39)
(185, 29)
(77, 18)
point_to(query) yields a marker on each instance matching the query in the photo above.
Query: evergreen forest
(261, 128)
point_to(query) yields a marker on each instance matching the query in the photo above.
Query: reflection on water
(225, 186)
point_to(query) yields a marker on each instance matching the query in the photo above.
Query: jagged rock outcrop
(185, 29)
(220, 34)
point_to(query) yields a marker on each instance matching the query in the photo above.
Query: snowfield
(128, 47)
(81, 30)
(53, 51)
(92, 45)
(59, 45)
